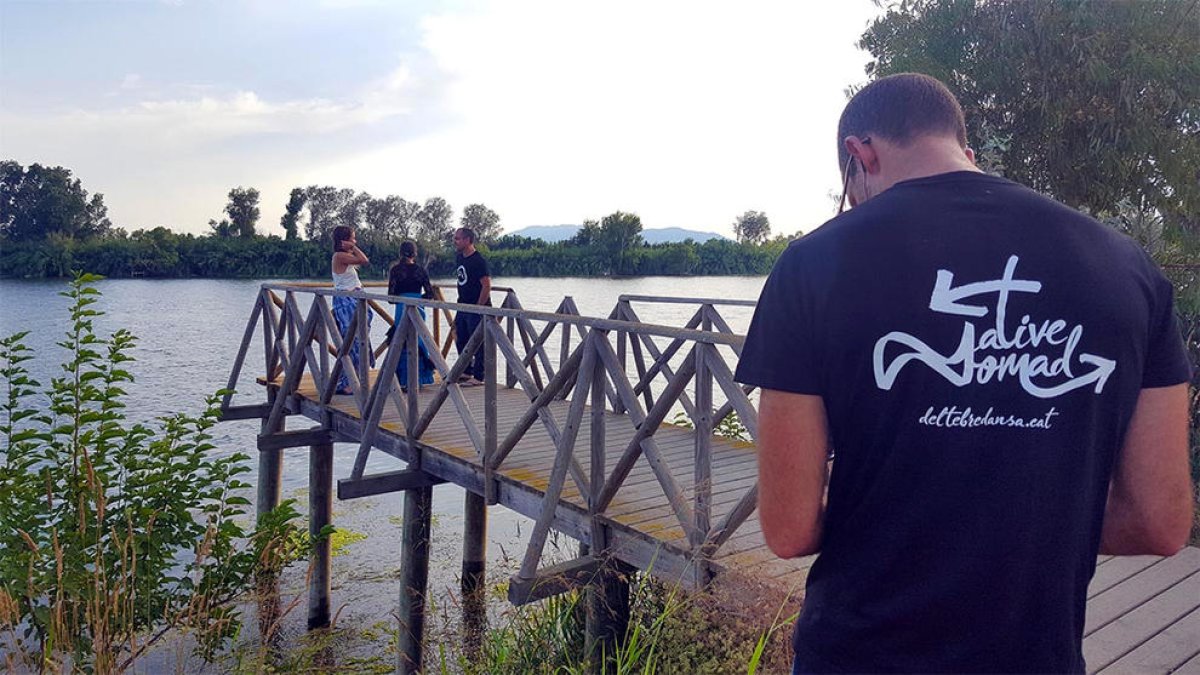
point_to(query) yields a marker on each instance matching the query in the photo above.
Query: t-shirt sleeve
(780, 352)
(483, 268)
(1167, 361)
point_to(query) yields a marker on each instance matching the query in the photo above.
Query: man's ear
(862, 150)
(970, 155)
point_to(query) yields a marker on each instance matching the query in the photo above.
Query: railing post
(364, 353)
(268, 334)
(510, 379)
(566, 336)
(437, 319)
(702, 508)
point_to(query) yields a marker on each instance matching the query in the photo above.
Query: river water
(188, 333)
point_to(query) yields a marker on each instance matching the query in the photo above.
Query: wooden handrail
(686, 301)
(571, 319)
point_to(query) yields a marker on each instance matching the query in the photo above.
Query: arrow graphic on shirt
(945, 298)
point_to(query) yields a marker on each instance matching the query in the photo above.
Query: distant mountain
(672, 234)
(550, 233)
(553, 233)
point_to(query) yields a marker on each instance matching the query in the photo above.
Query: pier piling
(320, 514)
(414, 577)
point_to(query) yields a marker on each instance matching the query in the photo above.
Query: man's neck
(923, 158)
(468, 251)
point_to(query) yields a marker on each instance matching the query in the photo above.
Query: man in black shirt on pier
(474, 288)
(1004, 384)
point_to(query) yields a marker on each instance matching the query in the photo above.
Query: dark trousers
(464, 327)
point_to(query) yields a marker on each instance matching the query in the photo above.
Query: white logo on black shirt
(462, 275)
(1002, 350)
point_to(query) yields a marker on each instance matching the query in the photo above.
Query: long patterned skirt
(343, 314)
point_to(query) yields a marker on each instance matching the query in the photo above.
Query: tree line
(50, 226)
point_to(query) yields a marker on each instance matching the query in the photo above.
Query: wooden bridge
(599, 428)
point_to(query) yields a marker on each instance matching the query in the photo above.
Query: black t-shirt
(471, 271)
(409, 278)
(979, 349)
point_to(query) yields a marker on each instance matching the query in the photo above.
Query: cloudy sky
(550, 112)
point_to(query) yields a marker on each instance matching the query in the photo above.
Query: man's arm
(485, 290)
(792, 451)
(1150, 505)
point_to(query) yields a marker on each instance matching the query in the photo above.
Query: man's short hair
(468, 233)
(901, 108)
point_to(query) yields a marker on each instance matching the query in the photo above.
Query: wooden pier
(599, 428)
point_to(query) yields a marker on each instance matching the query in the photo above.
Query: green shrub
(115, 531)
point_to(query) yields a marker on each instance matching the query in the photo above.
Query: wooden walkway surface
(1143, 613)
(639, 513)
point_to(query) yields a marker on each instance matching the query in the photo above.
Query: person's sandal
(344, 392)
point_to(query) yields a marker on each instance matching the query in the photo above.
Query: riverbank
(163, 254)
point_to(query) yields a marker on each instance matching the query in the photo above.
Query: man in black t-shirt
(474, 288)
(1004, 384)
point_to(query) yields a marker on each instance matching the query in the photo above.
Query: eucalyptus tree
(243, 210)
(752, 227)
(484, 221)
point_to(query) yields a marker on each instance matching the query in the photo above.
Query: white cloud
(688, 113)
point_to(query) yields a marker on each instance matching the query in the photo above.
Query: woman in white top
(347, 256)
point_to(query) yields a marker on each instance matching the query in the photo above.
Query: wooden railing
(593, 367)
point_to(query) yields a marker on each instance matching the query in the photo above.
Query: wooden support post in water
(474, 572)
(270, 478)
(270, 466)
(414, 578)
(320, 514)
(608, 613)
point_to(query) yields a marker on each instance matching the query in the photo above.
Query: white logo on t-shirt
(462, 275)
(1000, 351)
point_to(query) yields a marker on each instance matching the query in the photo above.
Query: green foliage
(669, 632)
(484, 221)
(729, 427)
(620, 235)
(1107, 104)
(115, 528)
(433, 223)
(547, 637)
(39, 202)
(290, 221)
(753, 227)
(242, 210)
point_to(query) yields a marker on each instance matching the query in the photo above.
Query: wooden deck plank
(1117, 570)
(1166, 651)
(1136, 590)
(1192, 667)
(1152, 618)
